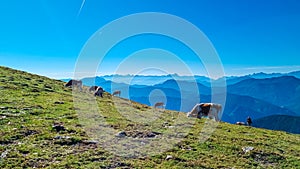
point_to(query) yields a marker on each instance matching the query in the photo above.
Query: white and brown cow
(240, 123)
(210, 110)
(99, 92)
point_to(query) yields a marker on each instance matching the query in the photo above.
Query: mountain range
(258, 95)
(279, 122)
(150, 80)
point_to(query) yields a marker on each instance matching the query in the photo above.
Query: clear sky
(46, 36)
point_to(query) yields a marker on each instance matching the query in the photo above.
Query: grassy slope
(29, 106)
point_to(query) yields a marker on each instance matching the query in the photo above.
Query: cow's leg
(217, 118)
(218, 112)
(199, 115)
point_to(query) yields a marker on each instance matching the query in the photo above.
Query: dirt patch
(142, 134)
(266, 159)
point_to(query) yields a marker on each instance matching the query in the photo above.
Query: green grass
(31, 104)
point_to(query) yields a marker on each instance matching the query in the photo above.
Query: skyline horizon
(47, 37)
(297, 69)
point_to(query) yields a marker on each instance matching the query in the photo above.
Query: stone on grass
(58, 127)
(4, 154)
(247, 149)
(121, 134)
(169, 157)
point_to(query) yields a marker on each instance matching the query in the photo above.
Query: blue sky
(46, 36)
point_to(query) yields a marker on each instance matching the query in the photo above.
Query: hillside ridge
(41, 128)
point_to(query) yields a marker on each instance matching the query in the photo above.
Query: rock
(58, 127)
(4, 154)
(165, 124)
(3, 108)
(66, 140)
(90, 142)
(169, 157)
(48, 90)
(47, 86)
(62, 137)
(57, 137)
(58, 102)
(247, 149)
(121, 134)
(38, 107)
(27, 78)
(151, 134)
(35, 90)
(118, 165)
(142, 134)
(30, 132)
(25, 85)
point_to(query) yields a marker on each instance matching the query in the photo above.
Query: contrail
(82, 4)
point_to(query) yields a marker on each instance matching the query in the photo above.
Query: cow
(99, 92)
(240, 123)
(93, 88)
(72, 83)
(210, 110)
(117, 92)
(159, 104)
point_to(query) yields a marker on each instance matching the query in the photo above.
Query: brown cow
(210, 110)
(117, 92)
(159, 104)
(72, 83)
